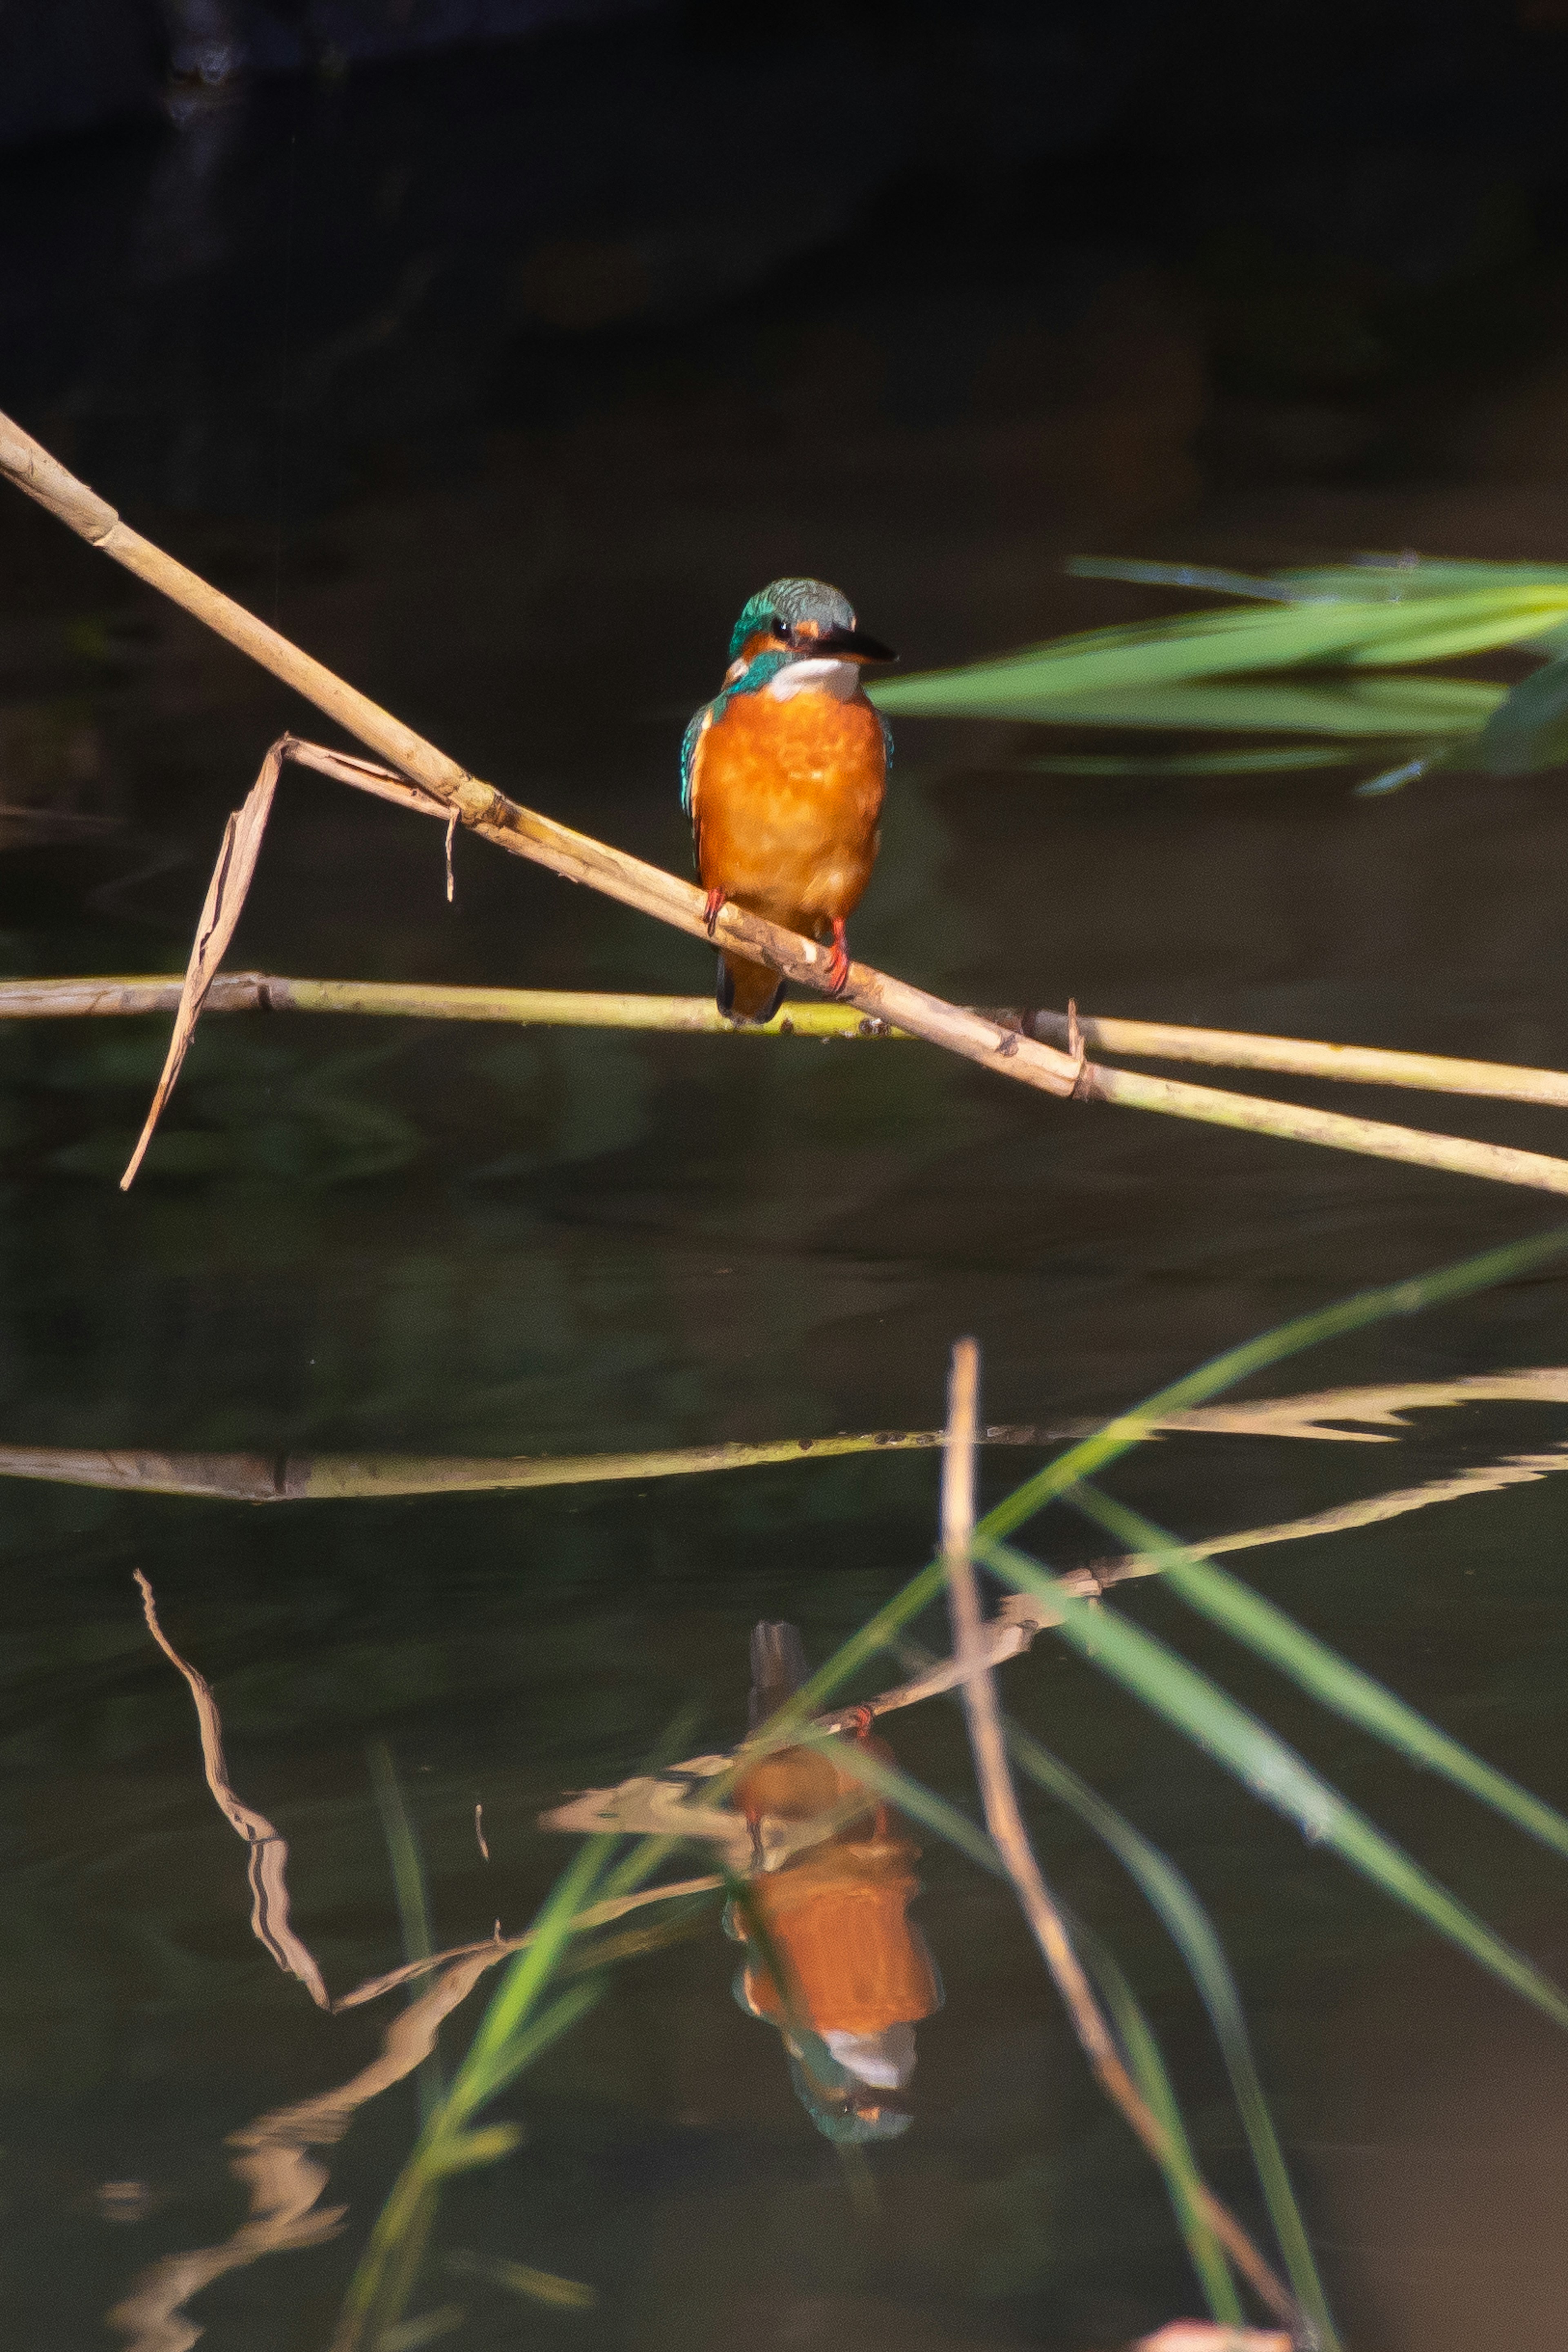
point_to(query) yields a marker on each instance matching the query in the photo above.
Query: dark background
(499, 371)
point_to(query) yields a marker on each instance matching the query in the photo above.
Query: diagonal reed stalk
(1193, 2199)
(455, 795)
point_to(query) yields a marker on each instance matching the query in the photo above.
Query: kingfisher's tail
(747, 992)
(778, 1667)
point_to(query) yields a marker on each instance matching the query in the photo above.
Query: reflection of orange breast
(837, 1918)
(785, 801)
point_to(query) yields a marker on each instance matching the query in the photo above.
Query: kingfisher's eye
(782, 629)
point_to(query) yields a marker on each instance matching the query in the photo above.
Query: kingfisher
(781, 775)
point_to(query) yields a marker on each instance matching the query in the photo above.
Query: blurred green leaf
(1411, 707)
(1232, 640)
(1388, 579)
(1264, 760)
(1529, 727)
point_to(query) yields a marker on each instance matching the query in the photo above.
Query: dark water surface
(407, 1238)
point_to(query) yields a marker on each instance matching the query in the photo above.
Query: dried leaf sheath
(220, 913)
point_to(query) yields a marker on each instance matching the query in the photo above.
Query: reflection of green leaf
(1529, 729)
(1230, 641)
(1272, 1770)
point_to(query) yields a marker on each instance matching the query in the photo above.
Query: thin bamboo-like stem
(539, 1008)
(1004, 1821)
(1377, 1138)
(1361, 1065)
(577, 857)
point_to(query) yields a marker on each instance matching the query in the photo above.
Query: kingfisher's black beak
(855, 644)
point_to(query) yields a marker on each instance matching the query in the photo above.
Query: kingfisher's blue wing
(689, 743)
(887, 741)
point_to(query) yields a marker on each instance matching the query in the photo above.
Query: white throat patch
(822, 674)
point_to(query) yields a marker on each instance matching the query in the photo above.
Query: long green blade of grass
(1371, 579)
(1232, 640)
(1196, 1936)
(511, 2034)
(1273, 1771)
(1267, 1631)
(1262, 759)
(411, 1891)
(1529, 730)
(1413, 709)
(1146, 2062)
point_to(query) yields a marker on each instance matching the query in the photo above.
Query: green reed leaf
(1262, 760)
(1529, 729)
(1414, 708)
(1232, 640)
(1267, 1631)
(1388, 579)
(1273, 1771)
(1183, 2181)
(1197, 1939)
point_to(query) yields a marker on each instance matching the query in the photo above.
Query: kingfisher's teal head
(800, 619)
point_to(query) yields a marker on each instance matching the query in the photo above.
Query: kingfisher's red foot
(712, 910)
(836, 979)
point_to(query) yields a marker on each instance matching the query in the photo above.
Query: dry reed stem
(698, 1015)
(1362, 1065)
(541, 1008)
(1004, 1821)
(269, 1851)
(577, 857)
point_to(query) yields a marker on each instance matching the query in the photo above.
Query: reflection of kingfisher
(833, 1924)
(781, 775)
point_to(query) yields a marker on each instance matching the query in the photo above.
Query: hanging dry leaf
(226, 896)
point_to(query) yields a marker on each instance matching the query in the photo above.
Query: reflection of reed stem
(1006, 1822)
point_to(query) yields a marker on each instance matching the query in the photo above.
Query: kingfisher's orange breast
(785, 801)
